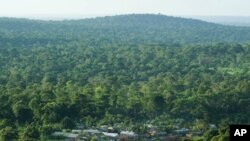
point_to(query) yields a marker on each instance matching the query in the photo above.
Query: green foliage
(22, 113)
(93, 139)
(29, 133)
(67, 123)
(127, 69)
(46, 130)
(210, 134)
(8, 134)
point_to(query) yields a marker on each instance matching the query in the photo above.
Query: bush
(67, 123)
(8, 134)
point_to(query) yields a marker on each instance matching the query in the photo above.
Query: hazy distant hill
(225, 20)
(126, 29)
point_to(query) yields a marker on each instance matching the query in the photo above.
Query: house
(76, 131)
(112, 135)
(162, 134)
(72, 137)
(84, 139)
(91, 131)
(67, 136)
(104, 128)
(182, 131)
(212, 126)
(128, 135)
(56, 134)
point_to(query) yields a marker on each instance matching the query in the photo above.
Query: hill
(132, 29)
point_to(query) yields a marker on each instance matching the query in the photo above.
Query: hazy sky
(17, 8)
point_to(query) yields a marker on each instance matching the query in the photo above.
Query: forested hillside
(126, 29)
(131, 69)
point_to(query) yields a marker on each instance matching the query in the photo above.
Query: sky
(26, 8)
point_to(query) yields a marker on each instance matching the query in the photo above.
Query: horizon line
(80, 16)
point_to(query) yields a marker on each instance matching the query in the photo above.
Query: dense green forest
(125, 29)
(130, 69)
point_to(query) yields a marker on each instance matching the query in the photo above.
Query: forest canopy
(121, 69)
